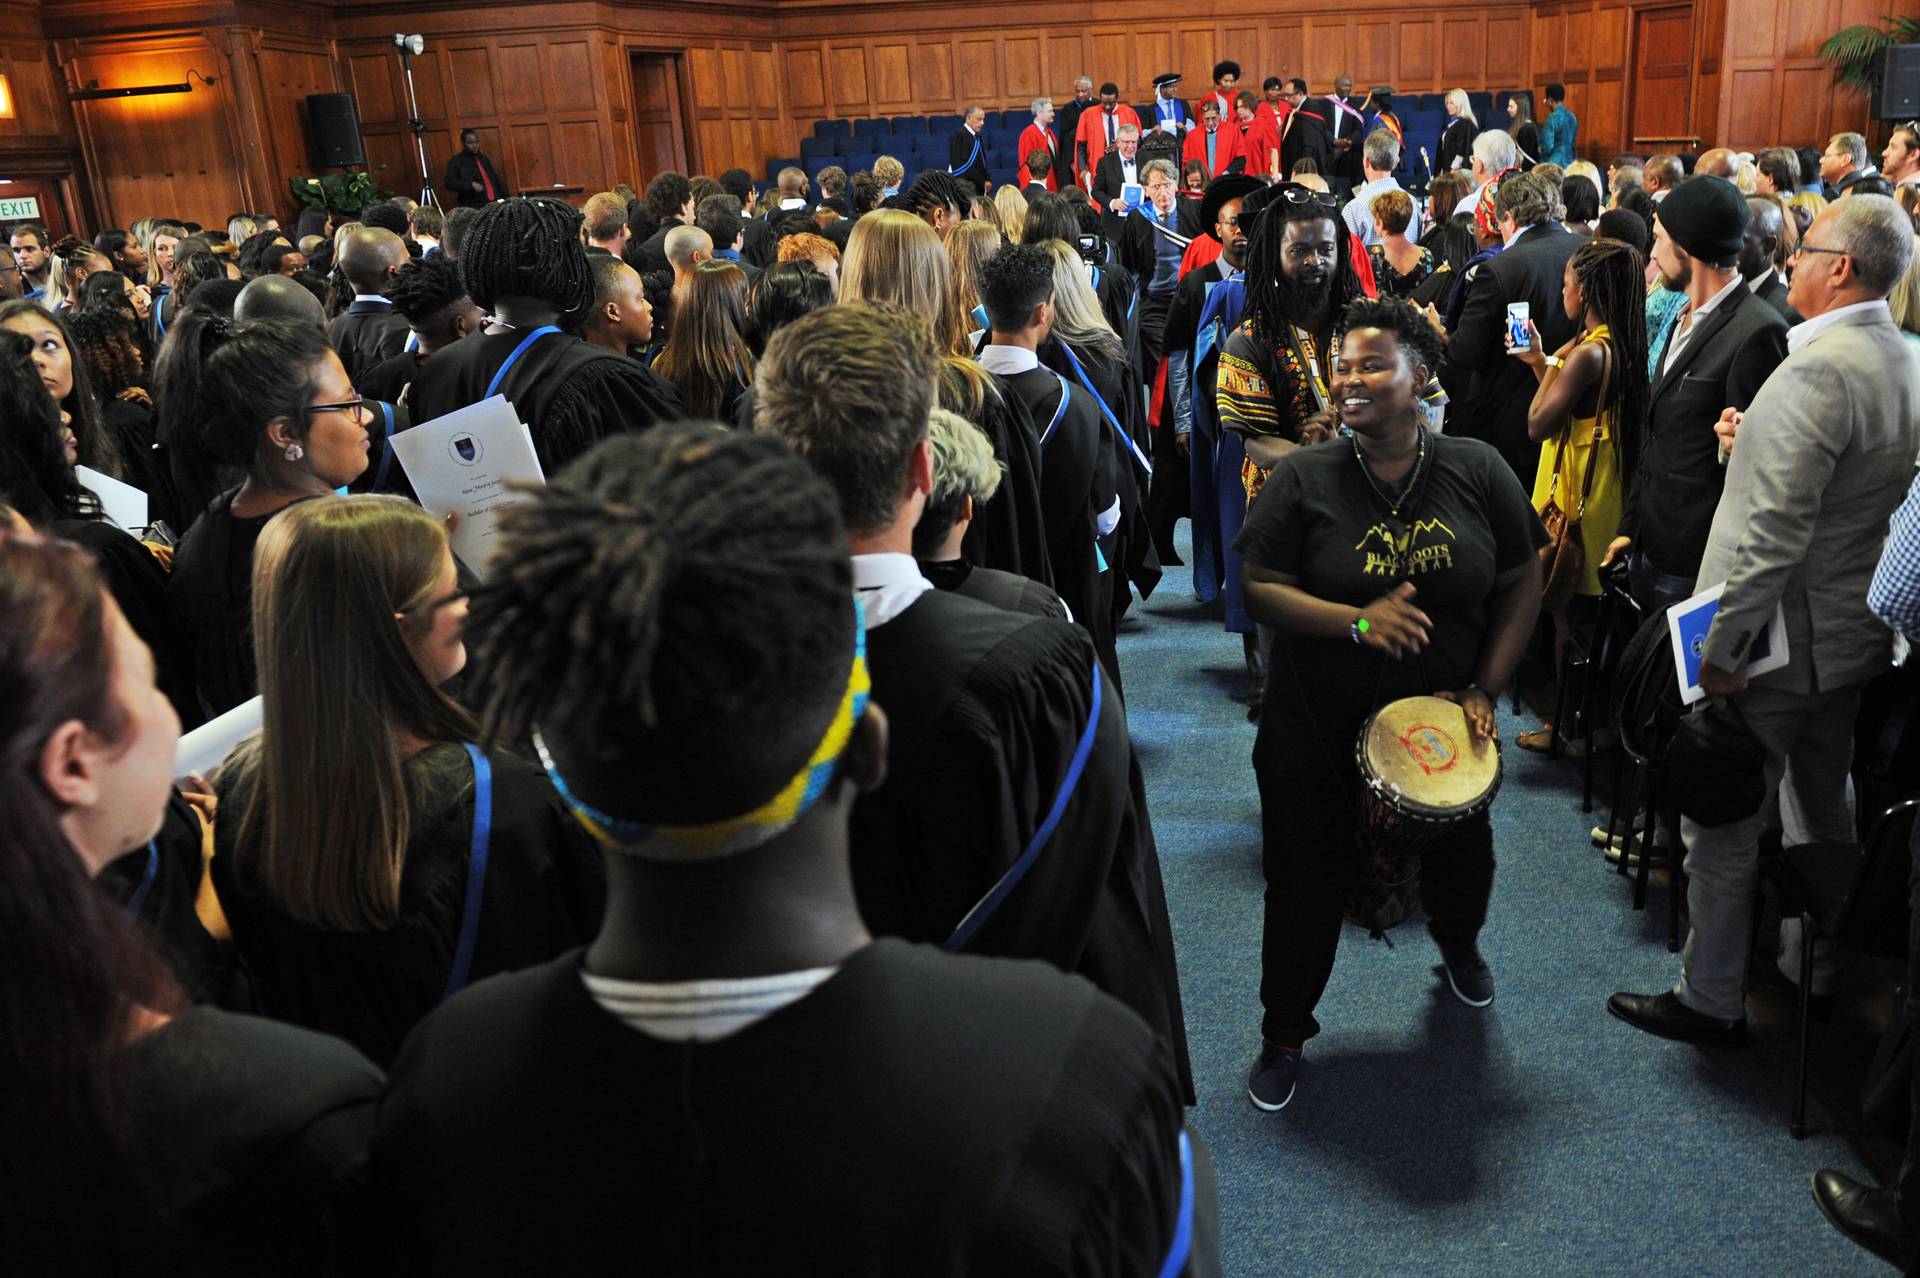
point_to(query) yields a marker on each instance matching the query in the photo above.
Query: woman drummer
(1393, 563)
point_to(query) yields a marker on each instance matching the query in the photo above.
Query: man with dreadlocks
(430, 295)
(990, 709)
(736, 1065)
(524, 263)
(1271, 379)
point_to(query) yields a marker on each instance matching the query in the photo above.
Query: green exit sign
(19, 209)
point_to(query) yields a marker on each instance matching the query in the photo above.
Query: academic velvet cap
(1162, 81)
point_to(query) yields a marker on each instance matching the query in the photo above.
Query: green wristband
(1360, 626)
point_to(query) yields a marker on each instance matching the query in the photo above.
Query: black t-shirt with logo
(1319, 520)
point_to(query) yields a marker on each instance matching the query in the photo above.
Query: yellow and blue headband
(731, 835)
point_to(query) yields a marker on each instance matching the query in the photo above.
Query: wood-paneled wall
(549, 83)
(39, 153)
(1775, 89)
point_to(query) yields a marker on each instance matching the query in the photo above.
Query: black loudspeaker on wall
(1899, 94)
(336, 130)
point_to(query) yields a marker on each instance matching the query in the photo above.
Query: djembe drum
(1421, 774)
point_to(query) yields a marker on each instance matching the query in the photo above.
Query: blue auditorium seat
(857, 163)
(943, 126)
(828, 161)
(813, 148)
(931, 144)
(867, 129)
(785, 162)
(992, 121)
(909, 124)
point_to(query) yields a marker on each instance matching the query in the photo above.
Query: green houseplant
(1852, 50)
(338, 192)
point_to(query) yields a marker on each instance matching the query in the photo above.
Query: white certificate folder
(1687, 624)
(465, 462)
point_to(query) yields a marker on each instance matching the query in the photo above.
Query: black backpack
(1646, 691)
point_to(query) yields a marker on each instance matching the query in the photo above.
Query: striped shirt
(701, 1011)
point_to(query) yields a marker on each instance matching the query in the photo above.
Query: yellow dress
(1585, 446)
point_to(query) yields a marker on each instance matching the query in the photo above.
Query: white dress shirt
(1805, 331)
(888, 584)
(1690, 320)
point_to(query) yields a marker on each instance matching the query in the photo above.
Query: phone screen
(1518, 315)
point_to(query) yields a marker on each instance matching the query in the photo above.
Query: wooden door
(1661, 116)
(36, 200)
(659, 124)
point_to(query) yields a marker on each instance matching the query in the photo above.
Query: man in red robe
(1214, 144)
(1259, 136)
(1038, 136)
(1099, 132)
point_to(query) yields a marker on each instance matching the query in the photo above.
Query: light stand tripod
(408, 46)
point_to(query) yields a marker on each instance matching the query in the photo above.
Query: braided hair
(528, 248)
(674, 612)
(421, 290)
(934, 189)
(107, 338)
(1612, 278)
(1266, 305)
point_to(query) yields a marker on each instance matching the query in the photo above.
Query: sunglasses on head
(1294, 193)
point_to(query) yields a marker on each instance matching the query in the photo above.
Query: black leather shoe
(1665, 1015)
(1867, 1215)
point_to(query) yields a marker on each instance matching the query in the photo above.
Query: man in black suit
(1843, 163)
(967, 153)
(471, 178)
(1761, 257)
(667, 204)
(1066, 127)
(1117, 170)
(1038, 164)
(1725, 344)
(370, 331)
(1530, 269)
(1346, 127)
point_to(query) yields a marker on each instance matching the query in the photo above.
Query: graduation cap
(1221, 191)
(1162, 81)
(1382, 94)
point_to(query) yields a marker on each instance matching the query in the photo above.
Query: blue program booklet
(1687, 624)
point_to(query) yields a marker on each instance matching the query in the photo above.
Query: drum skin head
(1419, 755)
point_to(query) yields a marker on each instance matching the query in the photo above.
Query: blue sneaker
(1270, 1082)
(1468, 974)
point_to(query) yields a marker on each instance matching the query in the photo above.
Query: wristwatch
(1554, 361)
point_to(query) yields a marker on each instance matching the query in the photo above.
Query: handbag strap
(1599, 412)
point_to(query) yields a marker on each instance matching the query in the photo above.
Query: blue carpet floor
(1540, 1136)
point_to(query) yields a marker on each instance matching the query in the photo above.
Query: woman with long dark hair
(355, 823)
(275, 406)
(706, 356)
(1591, 397)
(65, 377)
(141, 1135)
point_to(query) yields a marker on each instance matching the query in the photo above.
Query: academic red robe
(1260, 141)
(1274, 115)
(1092, 135)
(1034, 138)
(1227, 148)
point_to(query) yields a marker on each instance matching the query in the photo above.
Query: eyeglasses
(1804, 247)
(1294, 193)
(356, 406)
(1230, 222)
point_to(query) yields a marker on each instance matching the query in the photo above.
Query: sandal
(1538, 740)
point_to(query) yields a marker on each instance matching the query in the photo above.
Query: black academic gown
(368, 333)
(570, 393)
(1066, 127)
(1076, 484)
(1009, 533)
(986, 708)
(967, 158)
(1130, 546)
(1172, 497)
(1306, 137)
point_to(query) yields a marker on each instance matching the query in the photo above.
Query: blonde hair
(1012, 206)
(963, 467)
(1591, 172)
(1743, 175)
(154, 231)
(969, 245)
(325, 830)
(983, 209)
(1904, 298)
(1077, 318)
(893, 256)
(1462, 105)
(889, 172)
(706, 356)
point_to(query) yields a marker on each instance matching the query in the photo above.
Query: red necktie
(485, 180)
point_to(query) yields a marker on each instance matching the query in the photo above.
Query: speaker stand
(428, 197)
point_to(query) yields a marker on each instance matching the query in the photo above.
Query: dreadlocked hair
(1410, 328)
(528, 248)
(421, 290)
(1266, 292)
(1612, 278)
(674, 613)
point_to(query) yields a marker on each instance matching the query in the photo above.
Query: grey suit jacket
(1825, 453)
